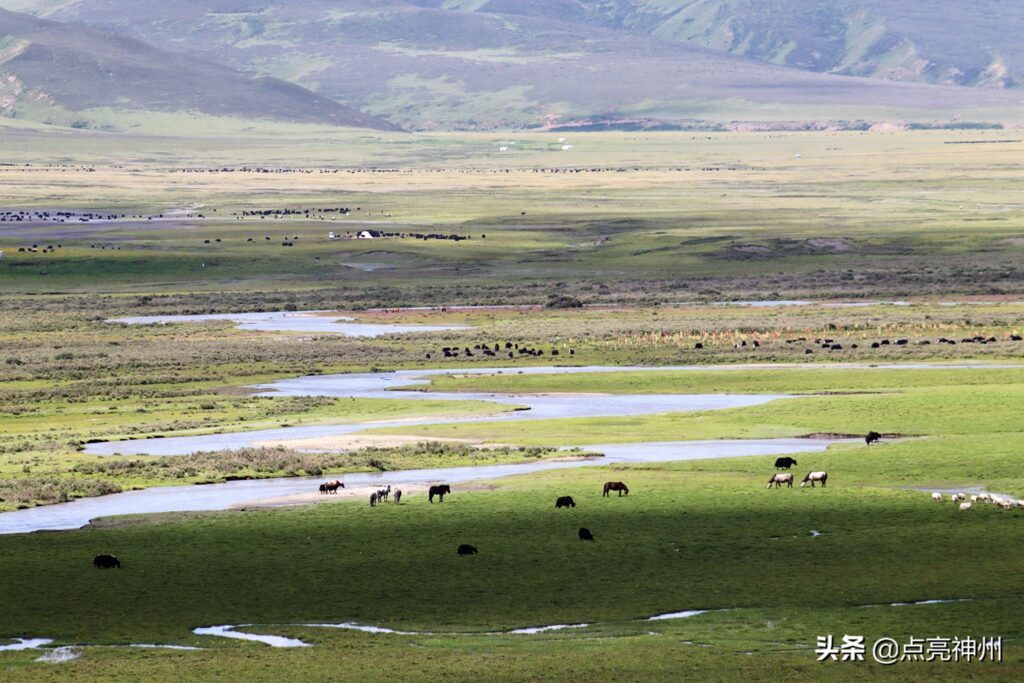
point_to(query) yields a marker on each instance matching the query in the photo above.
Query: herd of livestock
(1004, 502)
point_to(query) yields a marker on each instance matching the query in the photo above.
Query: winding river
(403, 384)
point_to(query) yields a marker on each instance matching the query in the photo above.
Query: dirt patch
(830, 244)
(834, 436)
(355, 442)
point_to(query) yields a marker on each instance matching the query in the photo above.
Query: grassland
(670, 226)
(618, 217)
(688, 537)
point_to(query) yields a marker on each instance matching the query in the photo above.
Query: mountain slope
(57, 73)
(481, 64)
(963, 42)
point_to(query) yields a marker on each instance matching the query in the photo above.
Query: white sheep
(937, 497)
(965, 506)
(974, 499)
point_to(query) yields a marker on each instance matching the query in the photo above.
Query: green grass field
(650, 230)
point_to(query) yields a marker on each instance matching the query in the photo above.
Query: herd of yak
(833, 345)
(510, 348)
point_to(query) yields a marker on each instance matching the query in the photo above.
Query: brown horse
(440, 491)
(331, 487)
(615, 486)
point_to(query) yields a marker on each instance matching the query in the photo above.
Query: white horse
(780, 479)
(813, 477)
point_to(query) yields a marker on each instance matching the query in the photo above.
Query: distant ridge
(57, 73)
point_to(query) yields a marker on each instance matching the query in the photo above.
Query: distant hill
(57, 73)
(962, 42)
(485, 64)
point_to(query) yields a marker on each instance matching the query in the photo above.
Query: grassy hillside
(69, 75)
(945, 41)
(434, 65)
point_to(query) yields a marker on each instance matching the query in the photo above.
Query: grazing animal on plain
(106, 562)
(398, 496)
(780, 479)
(466, 549)
(961, 496)
(784, 463)
(937, 497)
(440, 491)
(965, 506)
(872, 437)
(331, 487)
(813, 477)
(373, 499)
(585, 534)
(615, 486)
(565, 502)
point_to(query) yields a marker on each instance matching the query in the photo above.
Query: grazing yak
(780, 479)
(585, 534)
(106, 562)
(466, 549)
(813, 477)
(784, 463)
(872, 437)
(440, 491)
(565, 502)
(615, 486)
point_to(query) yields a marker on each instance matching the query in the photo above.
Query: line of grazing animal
(585, 534)
(106, 562)
(466, 549)
(784, 463)
(615, 486)
(440, 491)
(872, 437)
(565, 502)
(780, 479)
(398, 496)
(813, 477)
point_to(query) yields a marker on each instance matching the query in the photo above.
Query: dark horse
(784, 463)
(398, 496)
(872, 437)
(106, 562)
(585, 534)
(616, 486)
(565, 502)
(331, 487)
(466, 549)
(440, 491)
(373, 499)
